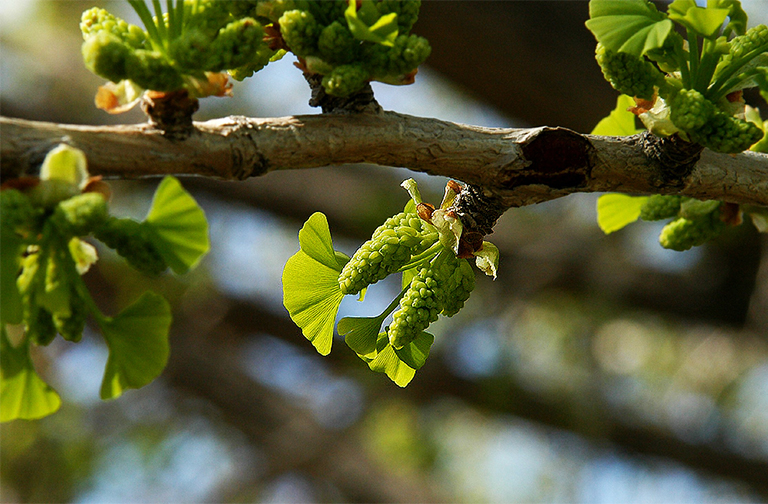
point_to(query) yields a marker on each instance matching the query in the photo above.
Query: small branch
(511, 167)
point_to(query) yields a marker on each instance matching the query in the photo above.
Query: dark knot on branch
(170, 112)
(358, 102)
(675, 157)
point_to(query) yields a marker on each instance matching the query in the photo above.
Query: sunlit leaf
(614, 211)
(737, 18)
(415, 353)
(178, 226)
(366, 24)
(311, 291)
(388, 362)
(620, 122)
(631, 26)
(704, 21)
(138, 344)
(23, 394)
(360, 334)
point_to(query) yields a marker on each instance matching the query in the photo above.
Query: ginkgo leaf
(614, 211)
(311, 291)
(138, 344)
(704, 21)
(368, 25)
(23, 394)
(620, 122)
(388, 362)
(177, 226)
(630, 26)
(360, 334)
(415, 353)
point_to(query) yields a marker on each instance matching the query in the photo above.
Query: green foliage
(614, 211)
(311, 291)
(22, 393)
(434, 280)
(620, 122)
(348, 43)
(138, 344)
(177, 49)
(695, 82)
(42, 260)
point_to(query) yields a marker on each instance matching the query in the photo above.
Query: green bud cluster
(132, 241)
(628, 74)
(319, 33)
(175, 52)
(682, 233)
(98, 20)
(659, 207)
(441, 286)
(79, 215)
(727, 134)
(755, 40)
(690, 110)
(709, 126)
(392, 245)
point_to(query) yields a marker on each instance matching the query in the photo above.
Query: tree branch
(513, 167)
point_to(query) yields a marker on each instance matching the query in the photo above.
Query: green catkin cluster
(79, 215)
(628, 74)
(727, 134)
(659, 207)
(98, 20)
(753, 42)
(442, 286)
(682, 234)
(690, 110)
(719, 131)
(319, 33)
(392, 245)
(129, 238)
(459, 286)
(210, 39)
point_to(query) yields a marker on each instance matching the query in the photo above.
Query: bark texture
(507, 167)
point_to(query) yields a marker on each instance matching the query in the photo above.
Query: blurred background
(594, 369)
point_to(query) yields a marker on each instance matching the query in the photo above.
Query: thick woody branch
(507, 167)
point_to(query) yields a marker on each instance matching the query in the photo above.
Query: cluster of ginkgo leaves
(46, 221)
(195, 44)
(691, 222)
(688, 86)
(424, 245)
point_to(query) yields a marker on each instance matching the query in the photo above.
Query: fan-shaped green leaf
(631, 26)
(311, 291)
(620, 122)
(178, 226)
(22, 393)
(138, 344)
(614, 211)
